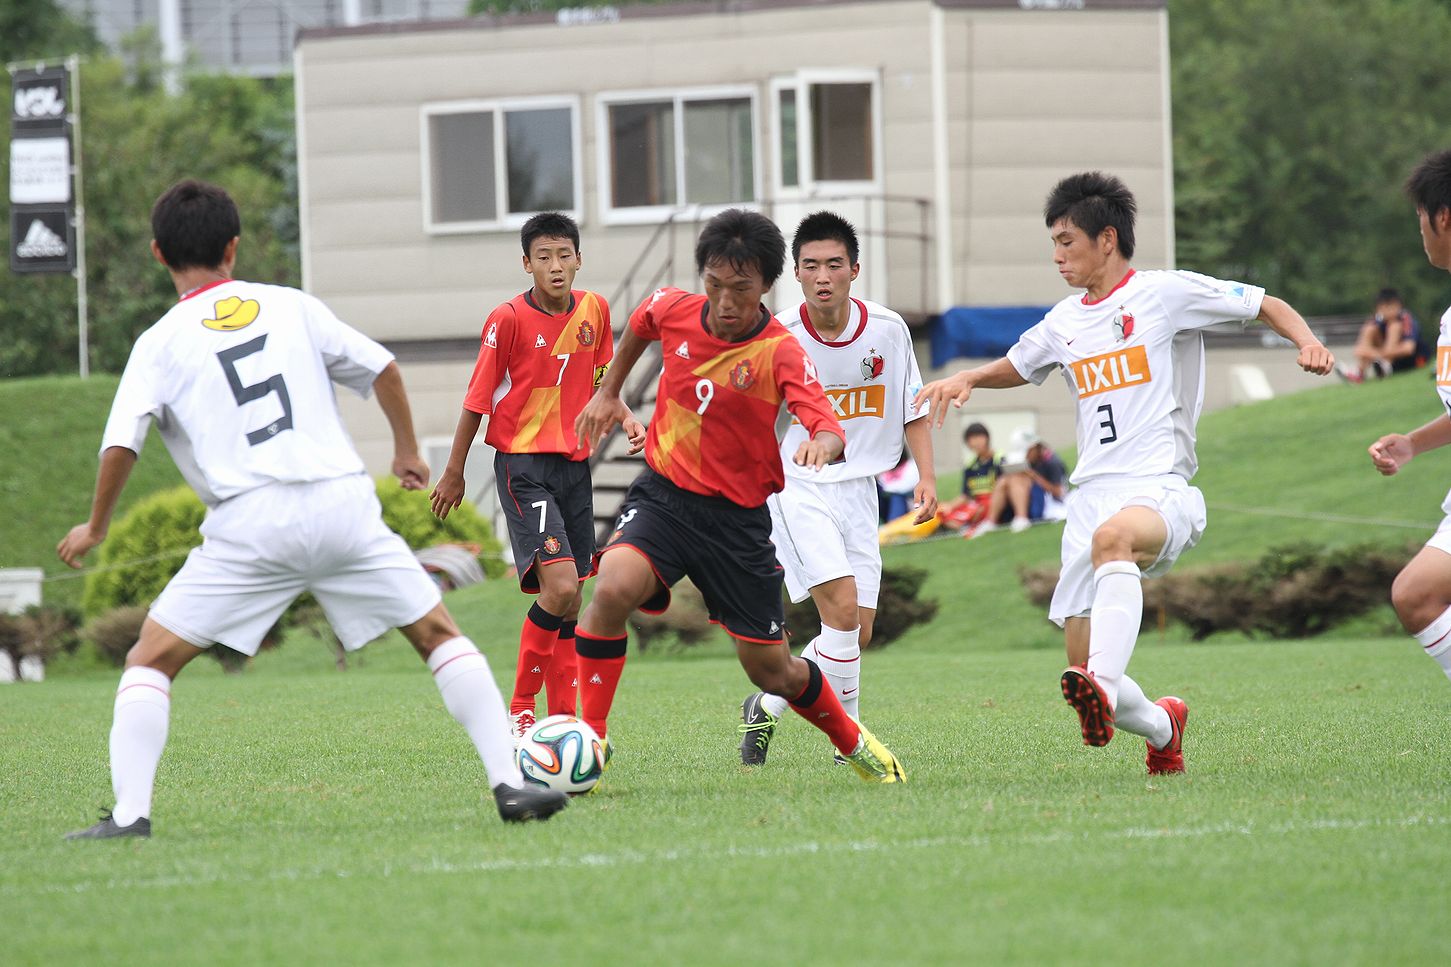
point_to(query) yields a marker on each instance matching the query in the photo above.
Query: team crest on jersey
(232, 314)
(873, 365)
(743, 379)
(1123, 324)
(551, 545)
(586, 334)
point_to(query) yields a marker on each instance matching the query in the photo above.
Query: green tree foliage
(137, 139)
(1295, 125)
(31, 29)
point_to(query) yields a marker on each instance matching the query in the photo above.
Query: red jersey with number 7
(714, 428)
(537, 370)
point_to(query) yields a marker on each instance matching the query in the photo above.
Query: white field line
(631, 857)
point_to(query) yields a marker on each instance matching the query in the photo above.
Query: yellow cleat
(874, 762)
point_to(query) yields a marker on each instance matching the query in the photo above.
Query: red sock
(601, 660)
(560, 681)
(822, 708)
(536, 644)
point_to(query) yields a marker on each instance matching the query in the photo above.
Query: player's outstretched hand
(76, 544)
(447, 494)
(411, 471)
(1391, 452)
(599, 416)
(635, 430)
(1316, 359)
(925, 500)
(954, 389)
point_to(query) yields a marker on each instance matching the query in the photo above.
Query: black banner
(42, 189)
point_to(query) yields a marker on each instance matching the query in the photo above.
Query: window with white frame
(660, 151)
(826, 130)
(493, 164)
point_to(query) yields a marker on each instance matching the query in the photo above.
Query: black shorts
(725, 549)
(549, 503)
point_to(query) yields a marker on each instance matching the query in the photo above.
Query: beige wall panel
(360, 128)
(1043, 93)
(1069, 41)
(1021, 190)
(1112, 143)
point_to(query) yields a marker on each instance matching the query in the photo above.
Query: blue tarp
(981, 330)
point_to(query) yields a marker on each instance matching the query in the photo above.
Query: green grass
(309, 816)
(49, 439)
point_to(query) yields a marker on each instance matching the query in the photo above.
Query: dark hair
(192, 222)
(1094, 201)
(1430, 184)
(742, 239)
(548, 225)
(1389, 295)
(825, 227)
(976, 429)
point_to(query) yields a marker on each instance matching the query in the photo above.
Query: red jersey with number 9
(714, 428)
(536, 371)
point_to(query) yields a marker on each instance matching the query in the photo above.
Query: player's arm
(1281, 317)
(919, 444)
(408, 466)
(116, 464)
(1392, 452)
(957, 388)
(606, 410)
(448, 493)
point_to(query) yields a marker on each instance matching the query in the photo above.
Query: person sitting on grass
(969, 509)
(1389, 342)
(1032, 487)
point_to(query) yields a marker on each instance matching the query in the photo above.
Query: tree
(31, 29)
(1295, 125)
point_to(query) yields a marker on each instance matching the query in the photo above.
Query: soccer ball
(561, 753)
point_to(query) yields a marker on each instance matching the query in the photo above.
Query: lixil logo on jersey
(1443, 365)
(848, 404)
(1109, 371)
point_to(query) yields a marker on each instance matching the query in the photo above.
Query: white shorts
(824, 531)
(1441, 540)
(263, 548)
(1180, 505)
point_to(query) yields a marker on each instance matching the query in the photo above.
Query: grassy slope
(48, 440)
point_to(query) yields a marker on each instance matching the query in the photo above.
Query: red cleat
(1171, 757)
(1095, 715)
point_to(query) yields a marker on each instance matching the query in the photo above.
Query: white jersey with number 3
(238, 377)
(870, 377)
(1135, 361)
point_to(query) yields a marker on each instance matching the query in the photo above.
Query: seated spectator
(1032, 487)
(1389, 342)
(969, 509)
(897, 487)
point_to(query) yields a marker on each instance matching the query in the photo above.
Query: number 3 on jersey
(245, 394)
(1107, 424)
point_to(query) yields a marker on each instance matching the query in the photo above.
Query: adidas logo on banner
(539, 342)
(41, 243)
(595, 679)
(684, 351)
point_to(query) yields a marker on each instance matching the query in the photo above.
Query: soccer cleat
(1351, 374)
(757, 727)
(1095, 715)
(837, 759)
(874, 762)
(519, 804)
(520, 723)
(107, 828)
(1019, 525)
(1171, 757)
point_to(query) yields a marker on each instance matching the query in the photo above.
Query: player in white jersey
(238, 379)
(824, 523)
(1132, 353)
(1422, 591)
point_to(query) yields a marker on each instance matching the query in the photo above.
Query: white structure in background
(20, 589)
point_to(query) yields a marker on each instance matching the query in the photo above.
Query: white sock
(839, 656)
(1118, 608)
(138, 734)
(1436, 639)
(1136, 714)
(471, 696)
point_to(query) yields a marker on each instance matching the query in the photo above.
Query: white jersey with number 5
(238, 377)
(870, 377)
(1135, 361)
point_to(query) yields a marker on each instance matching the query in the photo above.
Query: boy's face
(734, 293)
(553, 262)
(826, 273)
(1436, 237)
(1079, 258)
(980, 444)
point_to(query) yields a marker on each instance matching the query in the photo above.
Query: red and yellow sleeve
(645, 320)
(493, 361)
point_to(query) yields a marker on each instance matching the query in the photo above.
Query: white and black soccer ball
(562, 753)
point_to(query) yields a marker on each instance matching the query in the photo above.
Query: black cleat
(519, 804)
(108, 829)
(757, 727)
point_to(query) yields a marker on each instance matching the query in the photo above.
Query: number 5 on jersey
(245, 393)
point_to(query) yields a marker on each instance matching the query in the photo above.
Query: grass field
(309, 816)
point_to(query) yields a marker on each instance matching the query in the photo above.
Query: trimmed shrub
(143, 550)
(685, 621)
(410, 514)
(112, 634)
(898, 608)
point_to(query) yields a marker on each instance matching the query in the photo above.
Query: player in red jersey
(700, 508)
(543, 353)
